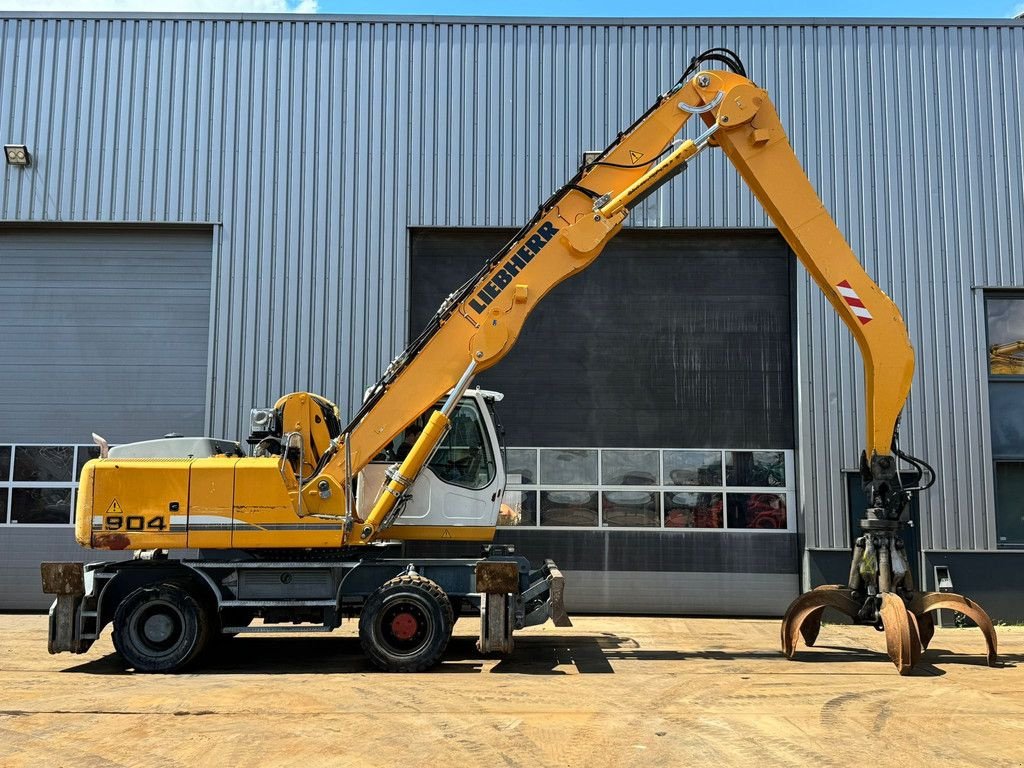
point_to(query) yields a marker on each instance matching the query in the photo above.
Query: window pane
(463, 457)
(693, 467)
(1006, 404)
(43, 464)
(5, 463)
(41, 505)
(693, 510)
(755, 468)
(518, 508)
(3, 505)
(568, 508)
(756, 510)
(1010, 502)
(629, 468)
(1005, 336)
(86, 453)
(625, 509)
(522, 466)
(560, 466)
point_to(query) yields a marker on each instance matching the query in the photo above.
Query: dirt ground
(609, 692)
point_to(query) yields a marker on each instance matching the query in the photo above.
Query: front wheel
(160, 628)
(406, 624)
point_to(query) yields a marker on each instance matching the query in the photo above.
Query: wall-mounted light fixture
(17, 154)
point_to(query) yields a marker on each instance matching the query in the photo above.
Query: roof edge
(590, 21)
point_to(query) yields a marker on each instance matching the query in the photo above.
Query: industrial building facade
(218, 210)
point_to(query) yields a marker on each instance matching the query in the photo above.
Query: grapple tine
(925, 602)
(926, 627)
(808, 608)
(901, 635)
(812, 626)
(917, 649)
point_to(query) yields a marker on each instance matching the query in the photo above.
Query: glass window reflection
(693, 510)
(568, 508)
(41, 505)
(564, 466)
(755, 468)
(628, 509)
(1005, 336)
(43, 463)
(629, 467)
(693, 467)
(5, 463)
(518, 508)
(756, 510)
(521, 466)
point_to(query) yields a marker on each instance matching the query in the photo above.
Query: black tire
(406, 624)
(160, 628)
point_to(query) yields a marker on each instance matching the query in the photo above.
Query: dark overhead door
(103, 329)
(670, 339)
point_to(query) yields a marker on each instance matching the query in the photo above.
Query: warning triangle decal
(114, 508)
(446, 534)
(635, 156)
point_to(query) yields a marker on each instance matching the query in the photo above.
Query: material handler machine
(299, 530)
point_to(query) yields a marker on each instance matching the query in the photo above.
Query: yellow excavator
(299, 529)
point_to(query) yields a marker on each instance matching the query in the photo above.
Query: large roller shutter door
(103, 330)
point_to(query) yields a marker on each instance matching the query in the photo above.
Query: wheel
(406, 624)
(160, 628)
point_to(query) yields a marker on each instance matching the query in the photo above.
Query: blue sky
(574, 8)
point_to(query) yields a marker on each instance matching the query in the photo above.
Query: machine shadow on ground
(547, 655)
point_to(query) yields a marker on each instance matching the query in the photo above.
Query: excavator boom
(478, 325)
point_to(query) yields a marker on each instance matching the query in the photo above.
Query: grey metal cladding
(316, 143)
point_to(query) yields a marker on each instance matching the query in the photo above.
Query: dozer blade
(924, 602)
(902, 638)
(804, 614)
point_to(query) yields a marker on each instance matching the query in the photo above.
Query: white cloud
(1018, 11)
(165, 6)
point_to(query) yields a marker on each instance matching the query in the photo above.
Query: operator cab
(460, 488)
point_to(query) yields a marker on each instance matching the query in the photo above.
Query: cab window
(463, 458)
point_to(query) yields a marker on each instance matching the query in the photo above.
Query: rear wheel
(160, 628)
(406, 624)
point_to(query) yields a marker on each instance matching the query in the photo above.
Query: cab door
(459, 491)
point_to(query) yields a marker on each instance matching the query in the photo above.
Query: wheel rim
(405, 626)
(158, 628)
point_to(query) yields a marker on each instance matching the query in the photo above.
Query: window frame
(999, 294)
(787, 491)
(7, 486)
(489, 457)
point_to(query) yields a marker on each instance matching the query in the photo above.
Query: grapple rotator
(880, 590)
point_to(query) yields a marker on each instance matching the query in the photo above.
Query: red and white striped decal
(856, 305)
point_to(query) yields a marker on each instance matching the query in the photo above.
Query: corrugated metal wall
(316, 144)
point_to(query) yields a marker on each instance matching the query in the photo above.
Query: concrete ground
(610, 692)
